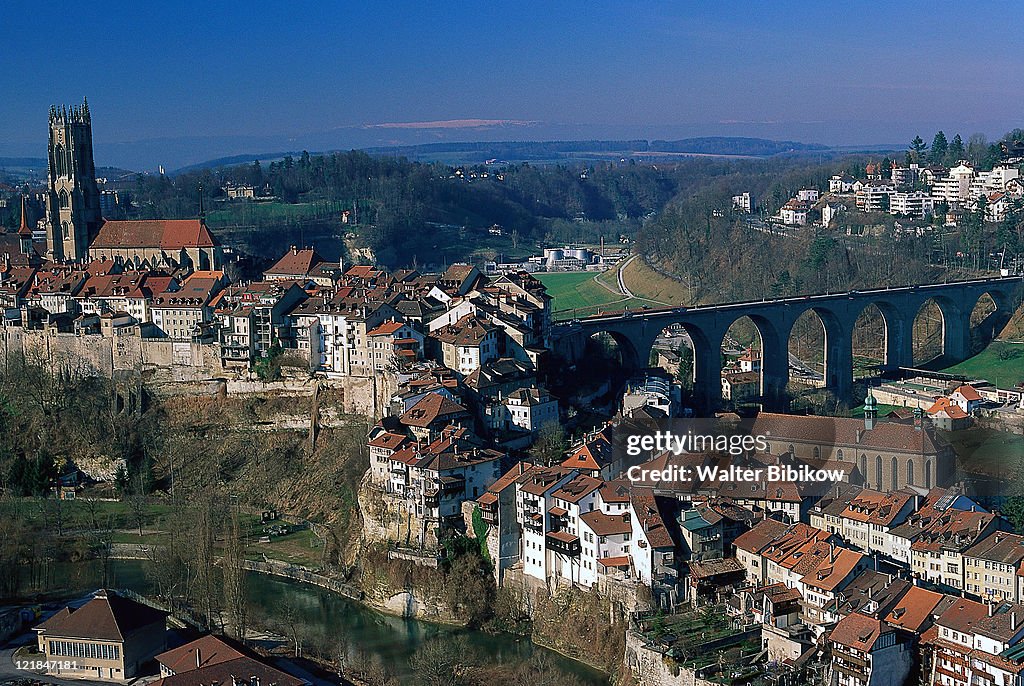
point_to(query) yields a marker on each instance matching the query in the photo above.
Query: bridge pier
(899, 340)
(838, 356)
(774, 371)
(956, 334)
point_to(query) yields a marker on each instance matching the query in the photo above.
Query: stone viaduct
(636, 330)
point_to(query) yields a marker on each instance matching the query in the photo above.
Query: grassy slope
(1004, 373)
(579, 294)
(644, 282)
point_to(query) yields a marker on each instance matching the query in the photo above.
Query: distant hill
(235, 160)
(554, 151)
(24, 168)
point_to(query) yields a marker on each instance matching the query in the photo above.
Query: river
(389, 640)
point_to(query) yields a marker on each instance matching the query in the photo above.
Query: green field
(579, 294)
(1001, 363)
(577, 291)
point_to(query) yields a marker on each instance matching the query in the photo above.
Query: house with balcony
(867, 652)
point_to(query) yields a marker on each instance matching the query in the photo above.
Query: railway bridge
(635, 331)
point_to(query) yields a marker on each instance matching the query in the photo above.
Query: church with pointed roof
(76, 232)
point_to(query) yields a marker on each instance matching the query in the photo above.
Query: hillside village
(916, 193)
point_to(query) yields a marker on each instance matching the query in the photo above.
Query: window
(60, 161)
(64, 199)
(910, 472)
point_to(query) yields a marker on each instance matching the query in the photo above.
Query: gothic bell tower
(73, 215)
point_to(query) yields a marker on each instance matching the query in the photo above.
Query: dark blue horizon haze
(266, 72)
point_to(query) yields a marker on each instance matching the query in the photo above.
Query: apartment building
(911, 204)
(867, 652)
(874, 196)
(992, 567)
(954, 188)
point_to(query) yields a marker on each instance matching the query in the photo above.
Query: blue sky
(852, 73)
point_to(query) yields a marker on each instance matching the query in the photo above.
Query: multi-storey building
(954, 188)
(253, 318)
(992, 568)
(874, 196)
(468, 344)
(973, 643)
(911, 204)
(867, 652)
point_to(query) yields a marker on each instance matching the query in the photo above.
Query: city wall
(173, 368)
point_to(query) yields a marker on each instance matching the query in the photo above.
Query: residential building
(954, 188)
(186, 311)
(866, 652)
(841, 183)
(966, 398)
(911, 204)
(738, 387)
(794, 213)
(253, 317)
(742, 203)
(467, 344)
(874, 196)
(973, 643)
(295, 265)
(992, 568)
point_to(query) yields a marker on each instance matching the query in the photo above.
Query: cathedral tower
(73, 216)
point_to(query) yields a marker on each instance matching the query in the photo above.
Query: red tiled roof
(296, 261)
(952, 410)
(386, 328)
(968, 392)
(833, 570)
(914, 609)
(108, 618)
(166, 234)
(857, 631)
(618, 561)
(202, 652)
(607, 525)
(430, 408)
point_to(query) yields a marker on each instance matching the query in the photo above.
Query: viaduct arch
(636, 330)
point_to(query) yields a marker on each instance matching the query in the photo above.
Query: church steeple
(73, 214)
(24, 229)
(25, 232)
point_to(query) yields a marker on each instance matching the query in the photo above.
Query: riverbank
(333, 624)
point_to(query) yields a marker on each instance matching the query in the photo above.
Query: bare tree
(234, 577)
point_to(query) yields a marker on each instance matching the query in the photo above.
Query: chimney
(991, 608)
(1013, 620)
(199, 658)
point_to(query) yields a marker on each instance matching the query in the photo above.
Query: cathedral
(75, 229)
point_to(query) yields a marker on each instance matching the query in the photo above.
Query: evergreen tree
(956, 151)
(940, 146)
(917, 150)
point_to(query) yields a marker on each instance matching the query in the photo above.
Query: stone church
(75, 228)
